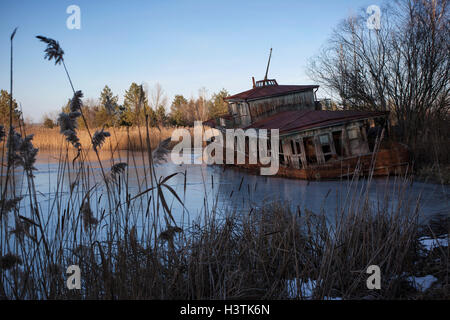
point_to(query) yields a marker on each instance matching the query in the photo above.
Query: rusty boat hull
(392, 159)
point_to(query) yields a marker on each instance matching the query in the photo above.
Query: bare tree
(157, 97)
(202, 105)
(403, 67)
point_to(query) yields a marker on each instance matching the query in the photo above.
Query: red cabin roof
(269, 91)
(299, 120)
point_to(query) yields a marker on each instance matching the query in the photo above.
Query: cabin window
(299, 151)
(324, 139)
(297, 145)
(325, 142)
(281, 153)
(292, 158)
(337, 140)
(353, 134)
(233, 109)
(310, 151)
(357, 146)
(240, 109)
(293, 147)
(296, 161)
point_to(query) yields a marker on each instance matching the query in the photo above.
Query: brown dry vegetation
(52, 139)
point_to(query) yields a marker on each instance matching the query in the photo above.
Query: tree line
(107, 112)
(4, 109)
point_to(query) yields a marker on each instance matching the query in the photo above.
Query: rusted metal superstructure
(314, 143)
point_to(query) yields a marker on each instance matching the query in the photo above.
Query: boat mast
(268, 63)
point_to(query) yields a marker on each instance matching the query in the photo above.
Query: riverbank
(439, 174)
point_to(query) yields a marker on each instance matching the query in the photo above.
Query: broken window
(281, 154)
(357, 146)
(338, 145)
(297, 145)
(310, 150)
(293, 147)
(325, 142)
(296, 161)
(353, 134)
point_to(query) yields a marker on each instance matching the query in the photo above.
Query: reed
(51, 139)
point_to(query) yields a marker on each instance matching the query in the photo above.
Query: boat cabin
(313, 142)
(315, 137)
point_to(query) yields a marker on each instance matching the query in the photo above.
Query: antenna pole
(268, 63)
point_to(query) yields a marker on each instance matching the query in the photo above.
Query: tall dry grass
(121, 138)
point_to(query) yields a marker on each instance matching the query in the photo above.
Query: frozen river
(238, 190)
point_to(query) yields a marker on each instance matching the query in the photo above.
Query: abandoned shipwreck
(315, 143)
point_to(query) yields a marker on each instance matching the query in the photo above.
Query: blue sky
(183, 45)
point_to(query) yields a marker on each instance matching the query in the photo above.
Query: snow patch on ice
(422, 283)
(332, 298)
(430, 243)
(306, 288)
